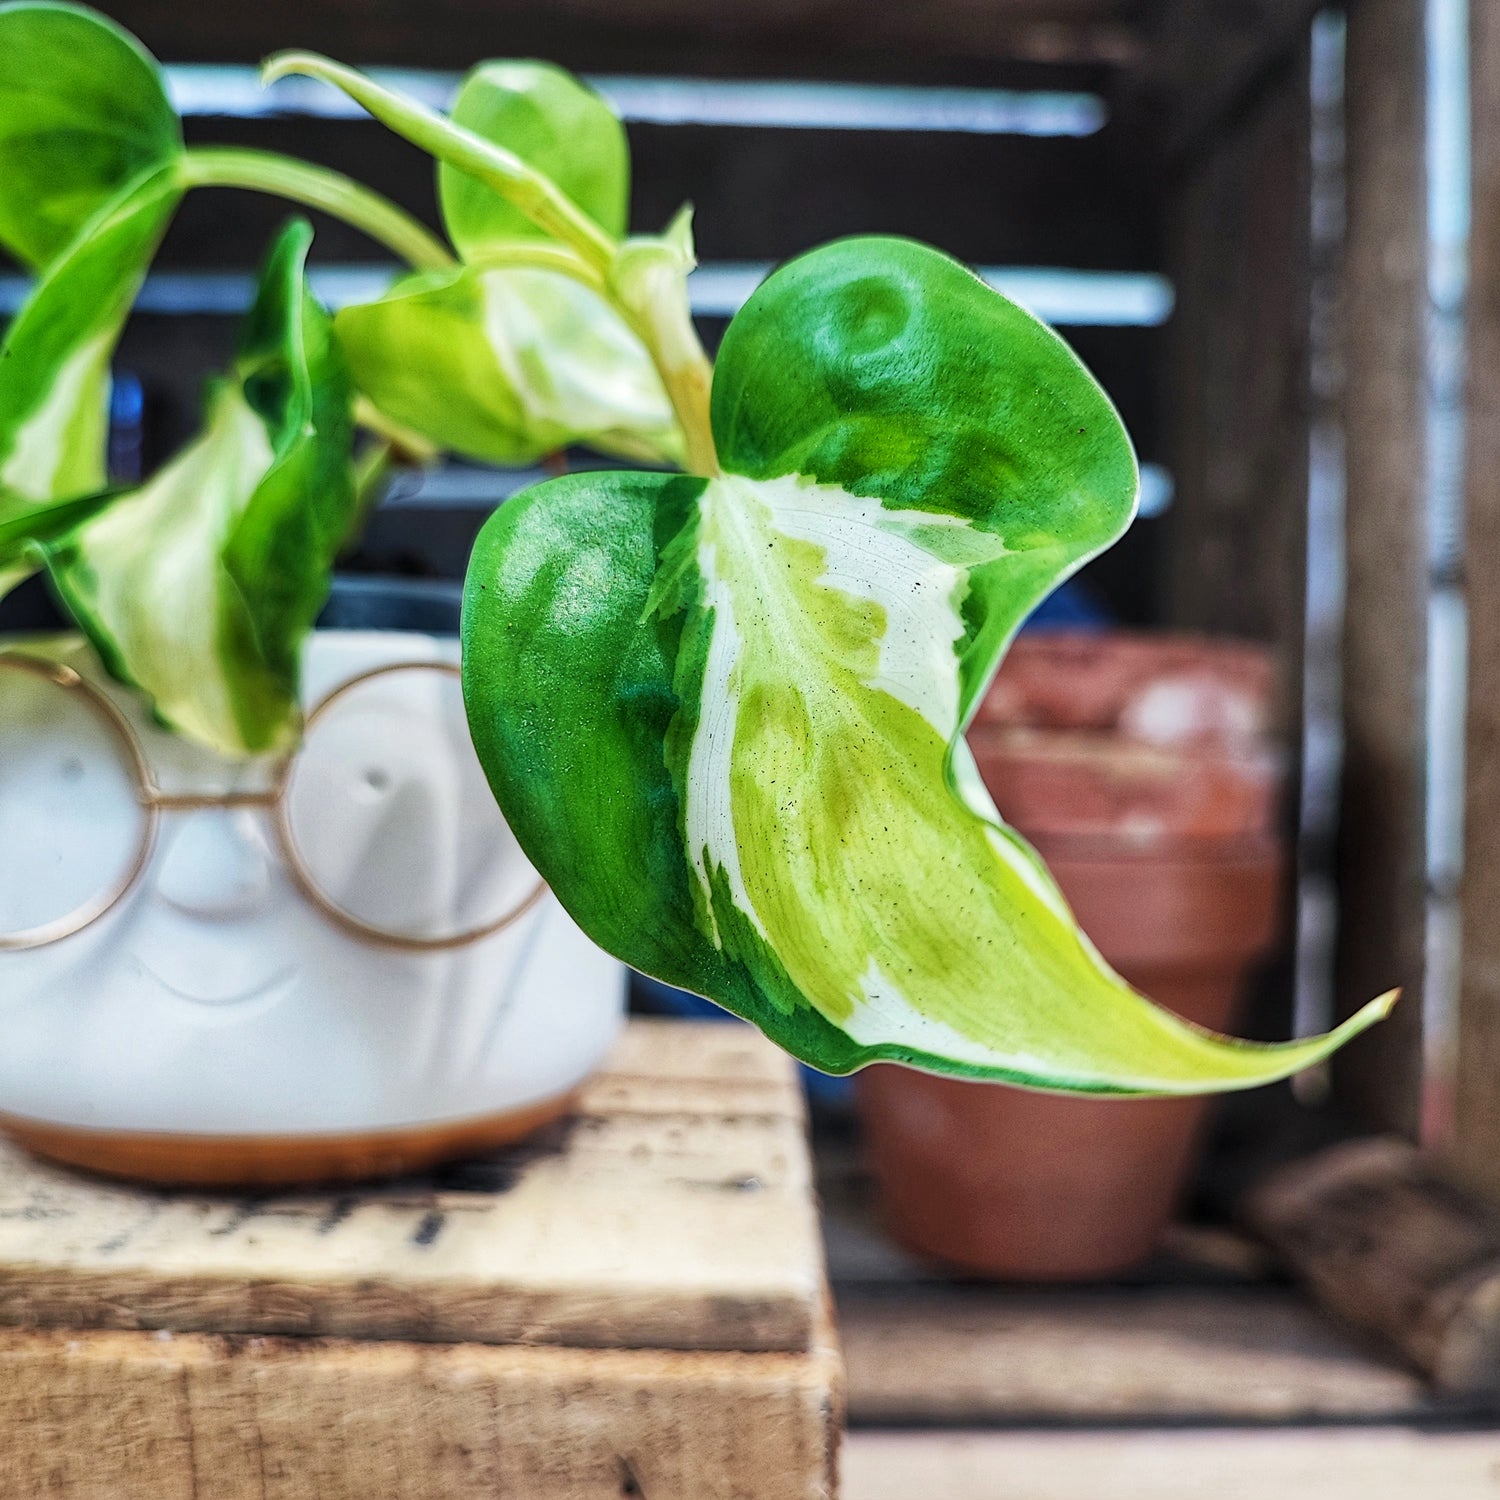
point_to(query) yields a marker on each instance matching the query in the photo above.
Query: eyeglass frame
(273, 801)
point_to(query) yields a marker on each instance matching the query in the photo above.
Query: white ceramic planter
(216, 1025)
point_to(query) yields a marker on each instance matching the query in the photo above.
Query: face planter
(335, 965)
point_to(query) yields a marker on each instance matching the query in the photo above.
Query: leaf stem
(654, 304)
(665, 326)
(541, 255)
(321, 188)
(536, 195)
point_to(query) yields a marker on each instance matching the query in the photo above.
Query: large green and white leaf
(724, 716)
(83, 112)
(504, 365)
(55, 370)
(199, 586)
(555, 123)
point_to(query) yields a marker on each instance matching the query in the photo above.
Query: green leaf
(83, 111)
(544, 203)
(25, 529)
(504, 365)
(54, 366)
(555, 123)
(724, 716)
(199, 586)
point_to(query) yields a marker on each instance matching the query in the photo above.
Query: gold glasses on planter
(382, 816)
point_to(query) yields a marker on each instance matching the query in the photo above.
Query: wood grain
(630, 1305)
(973, 1356)
(1312, 1464)
(1239, 399)
(673, 1210)
(138, 1416)
(1383, 826)
(1386, 1240)
(1476, 1136)
(750, 37)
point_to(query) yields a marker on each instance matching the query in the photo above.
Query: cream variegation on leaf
(725, 715)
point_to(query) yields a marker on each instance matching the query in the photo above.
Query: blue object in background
(1069, 607)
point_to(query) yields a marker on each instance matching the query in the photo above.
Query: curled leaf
(199, 586)
(555, 123)
(509, 363)
(725, 716)
(83, 111)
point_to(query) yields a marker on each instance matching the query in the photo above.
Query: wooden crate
(633, 1304)
(1204, 1373)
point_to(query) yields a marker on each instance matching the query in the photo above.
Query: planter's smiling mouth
(202, 993)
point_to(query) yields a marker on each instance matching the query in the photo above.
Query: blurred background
(1251, 219)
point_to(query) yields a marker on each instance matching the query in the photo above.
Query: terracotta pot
(1161, 838)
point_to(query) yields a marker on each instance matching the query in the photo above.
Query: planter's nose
(217, 864)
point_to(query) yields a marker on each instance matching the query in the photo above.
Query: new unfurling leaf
(553, 122)
(505, 365)
(725, 715)
(514, 354)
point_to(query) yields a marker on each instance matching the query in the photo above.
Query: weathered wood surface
(633, 1305)
(139, 1416)
(973, 1356)
(1238, 229)
(674, 1210)
(1236, 405)
(1387, 1241)
(774, 36)
(1476, 1135)
(1206, 64)
(1383, 826)
(1311, 1464)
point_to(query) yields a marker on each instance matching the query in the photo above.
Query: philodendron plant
(199, 590)
(723, 709)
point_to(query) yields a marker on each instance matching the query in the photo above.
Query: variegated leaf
(199, 586)
(725, 715)
(83, 111)
(507, 364)
(550, 119)
(55, 370)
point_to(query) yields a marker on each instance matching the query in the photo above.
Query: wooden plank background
(810, 38)
(1316, 1464)
(1477, 1085)
(1383, 822)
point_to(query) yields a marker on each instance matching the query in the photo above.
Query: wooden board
(672, 1211)
(633, 1304)
(1383, 823)
(751, 37)
(139, 1416)
(1476, 1133)
(1313, 1464)
(1386, 1239)
(991, 1355)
